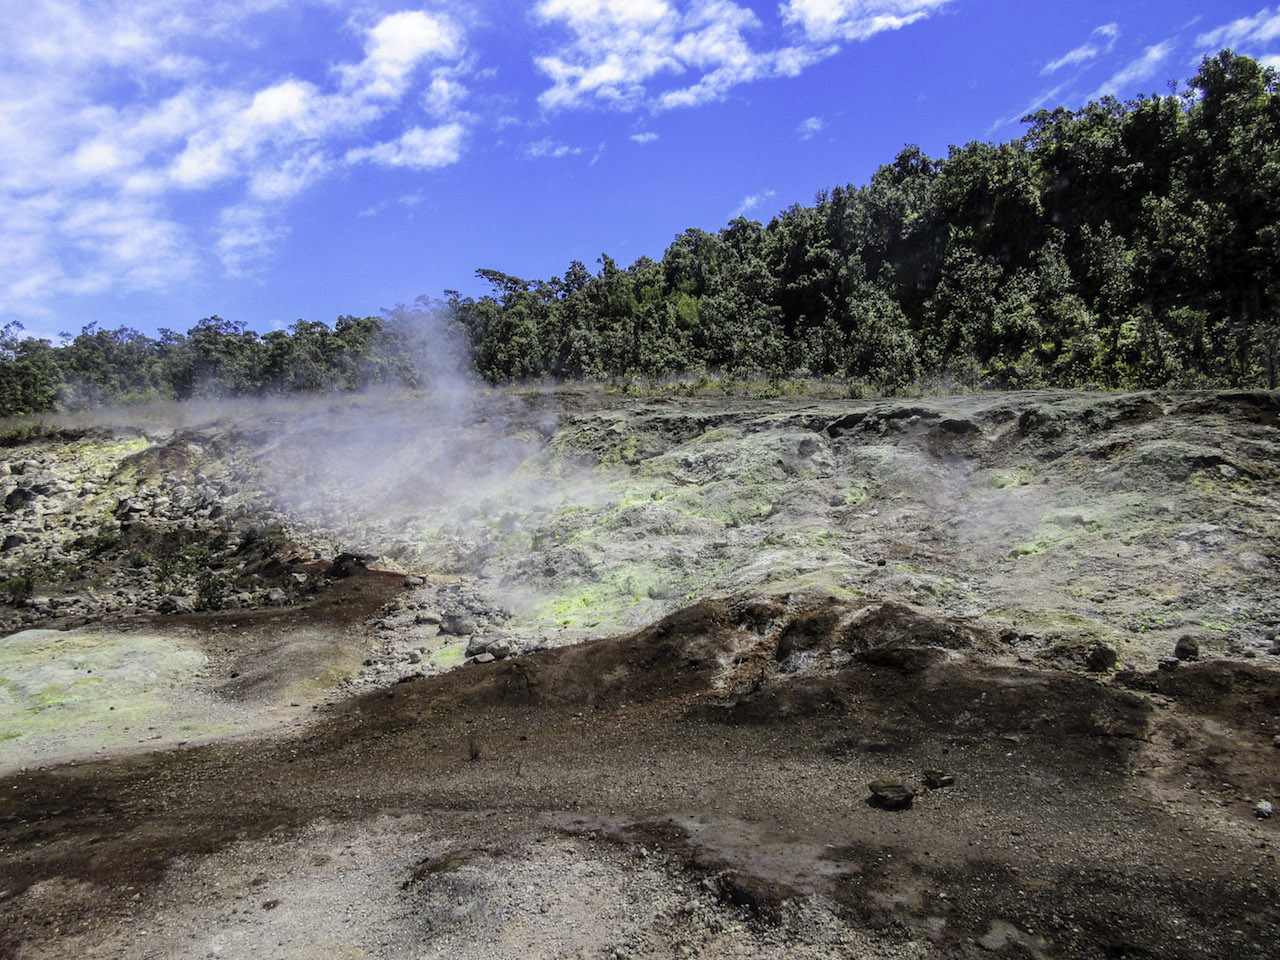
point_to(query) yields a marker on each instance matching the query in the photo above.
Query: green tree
(108, 366)
(29, 372)
(1234, 127)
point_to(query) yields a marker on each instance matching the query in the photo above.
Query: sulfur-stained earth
(573, 674)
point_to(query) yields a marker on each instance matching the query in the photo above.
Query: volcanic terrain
(574, 673)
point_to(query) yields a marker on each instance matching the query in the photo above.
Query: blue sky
(269, 160)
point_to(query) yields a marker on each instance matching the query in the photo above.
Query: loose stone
(891, 794)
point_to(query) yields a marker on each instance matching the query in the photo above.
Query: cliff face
(663, 621)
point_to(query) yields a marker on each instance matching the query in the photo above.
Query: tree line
(1120, 245)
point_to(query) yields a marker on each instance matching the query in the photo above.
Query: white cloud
(552, 149)
(112, 114)
(1142, 68)
(749, 203)
(619, 49)
(647, 137)
(290, 177)
(1262, 28)
(397, 46)
(826, 20)
(810, 128)
(417, 149)
(1101, 41)
(446, 91)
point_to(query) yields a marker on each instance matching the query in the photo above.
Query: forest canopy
(1121, 245)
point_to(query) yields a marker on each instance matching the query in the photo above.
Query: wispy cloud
(245, 234)
(1101, 41)
(1262, 29)
(827, 20)
(647, 137)
(553, 149)
(749, 203)
(405, 200)
(1041, 100)
(810, 127)
(1141, 68)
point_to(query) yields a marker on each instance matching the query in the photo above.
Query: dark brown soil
(1088, 817)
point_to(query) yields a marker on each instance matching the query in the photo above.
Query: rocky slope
(691, 630)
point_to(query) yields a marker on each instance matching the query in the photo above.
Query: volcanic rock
(890, 794)
(936, 779)
(458, 625)
(1102, 658)
(1187, 648)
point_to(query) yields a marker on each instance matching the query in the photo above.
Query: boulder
(1102, 658)
(457, 624)
(18, 498)
(174, 604)
(347, 564)
(1187, 648)
(128, 509)
(503, 648)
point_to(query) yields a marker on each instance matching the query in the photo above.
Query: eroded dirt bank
(971, 596)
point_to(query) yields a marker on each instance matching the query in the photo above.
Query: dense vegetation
(1121, 245)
